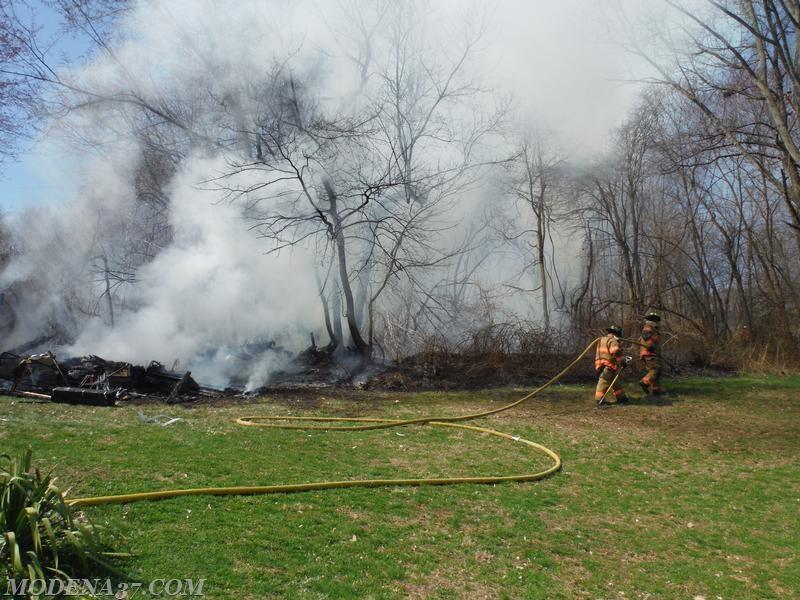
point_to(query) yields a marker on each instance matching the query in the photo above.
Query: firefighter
(650, 354)
(608, 361)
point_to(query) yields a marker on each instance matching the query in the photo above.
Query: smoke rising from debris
(214, 286)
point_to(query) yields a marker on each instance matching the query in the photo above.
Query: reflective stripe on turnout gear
(606, 376)
(652, 378)
(608, 353)
(650, 341)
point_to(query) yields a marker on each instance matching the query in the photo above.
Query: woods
(421, 211)
(705, 185)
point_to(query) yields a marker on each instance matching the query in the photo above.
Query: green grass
(696, 497)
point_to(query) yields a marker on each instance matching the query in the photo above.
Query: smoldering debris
(92, 380)
(92, 397)
(253, 368)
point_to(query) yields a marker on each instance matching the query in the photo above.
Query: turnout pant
(606, 376)
(652, 378)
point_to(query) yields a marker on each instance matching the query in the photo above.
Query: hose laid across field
(368, 424)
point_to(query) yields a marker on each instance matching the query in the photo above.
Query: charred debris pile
(93, 380)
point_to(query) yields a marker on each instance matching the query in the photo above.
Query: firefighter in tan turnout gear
(650, 353)
(608, 361)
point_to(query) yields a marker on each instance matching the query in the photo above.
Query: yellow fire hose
(368, 424)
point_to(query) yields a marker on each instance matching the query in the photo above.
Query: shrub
(40, 537)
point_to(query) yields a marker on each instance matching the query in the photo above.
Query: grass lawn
(695, 497)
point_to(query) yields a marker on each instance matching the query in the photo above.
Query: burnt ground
(300, 387)
(472, 371)
(475, 371)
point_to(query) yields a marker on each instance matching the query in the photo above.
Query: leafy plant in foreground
(40, 537)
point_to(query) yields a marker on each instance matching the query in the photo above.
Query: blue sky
(42, 172)
(41, 175)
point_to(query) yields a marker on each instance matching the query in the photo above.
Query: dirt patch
(458, 583)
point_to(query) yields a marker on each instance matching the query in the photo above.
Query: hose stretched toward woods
(385, 423)
(369, 424)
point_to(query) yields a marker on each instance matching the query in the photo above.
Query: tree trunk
(349, 304)
(541, 241)
(108, 291)
(336, 309)
(334, 340)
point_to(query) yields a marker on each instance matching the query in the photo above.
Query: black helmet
(653, 316)
(615, 329)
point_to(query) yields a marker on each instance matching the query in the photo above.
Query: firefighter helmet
(653, 316)
(615, 329)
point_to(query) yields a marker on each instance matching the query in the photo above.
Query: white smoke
(214, 286)
(56, 241)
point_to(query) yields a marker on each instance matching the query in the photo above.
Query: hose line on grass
(367, 423)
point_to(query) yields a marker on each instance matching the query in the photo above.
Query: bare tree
(535, 178)
(744, 53)
(377, 175)
(615, 198)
